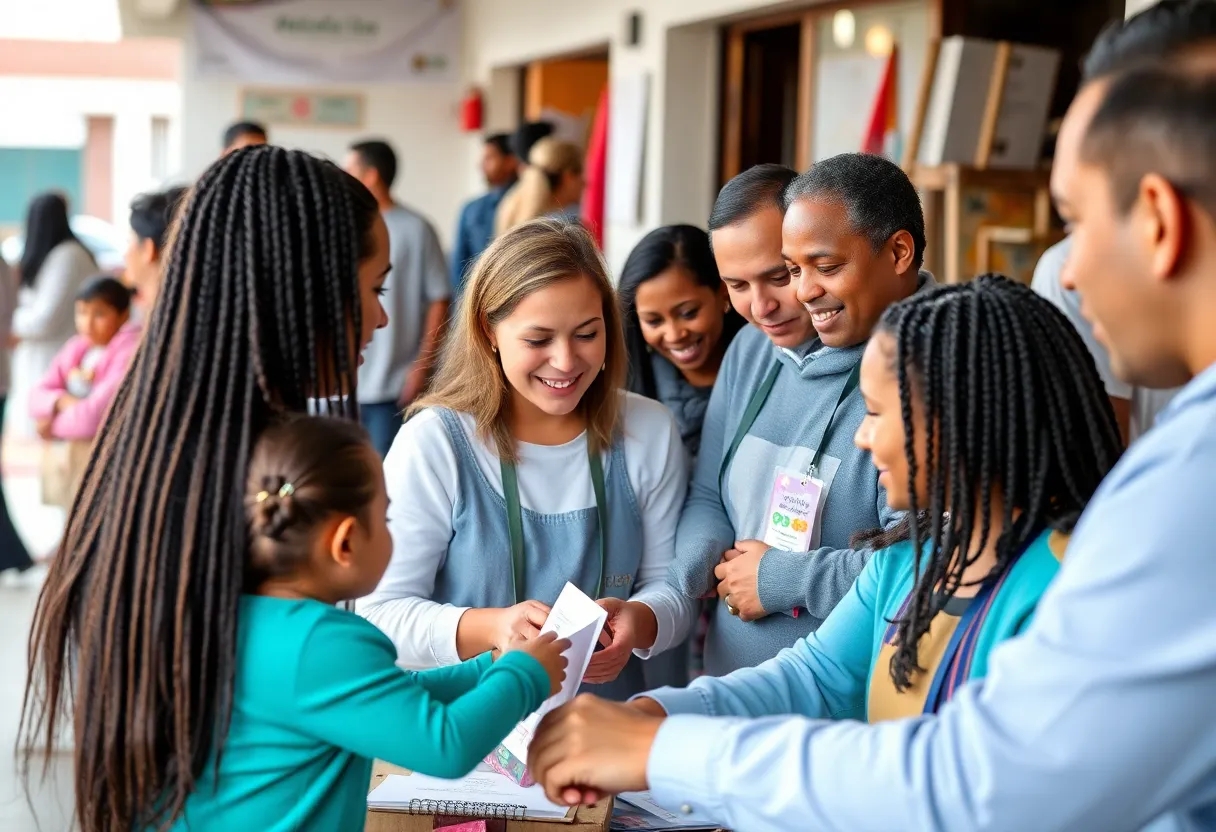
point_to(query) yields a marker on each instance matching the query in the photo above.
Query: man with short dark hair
(786, 400)
(1099, 716)
(151, 218)
(397, 364)
(1166, 27)
(475, 228)
(243, 134)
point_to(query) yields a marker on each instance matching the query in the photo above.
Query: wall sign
(302, 108)
(321, 41)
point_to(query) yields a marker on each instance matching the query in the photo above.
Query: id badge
(793, 511)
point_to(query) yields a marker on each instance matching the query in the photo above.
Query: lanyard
(515, 520)
(955, 666)
(757, 404)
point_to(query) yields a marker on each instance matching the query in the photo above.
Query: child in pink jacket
(74, 395)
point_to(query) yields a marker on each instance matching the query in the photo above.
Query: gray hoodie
(791, 422)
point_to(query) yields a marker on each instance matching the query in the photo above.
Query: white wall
(1134, 6)
(59, 19)
(53, 112)
(437, 161)
(419, 121)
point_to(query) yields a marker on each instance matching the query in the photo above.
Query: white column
(132, 158)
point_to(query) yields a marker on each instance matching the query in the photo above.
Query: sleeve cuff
(780, 580)
(677, 701)
(682, 769)
(443, 635)
(673, 614)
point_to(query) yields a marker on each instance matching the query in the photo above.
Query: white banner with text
(327, 41)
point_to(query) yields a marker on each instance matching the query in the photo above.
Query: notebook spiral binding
(467, 809)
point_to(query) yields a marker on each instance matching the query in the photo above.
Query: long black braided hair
(1011, 398)
(134, 636)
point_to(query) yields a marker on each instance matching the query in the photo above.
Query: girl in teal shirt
(318, 695)
(988, 423)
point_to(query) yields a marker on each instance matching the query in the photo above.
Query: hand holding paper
(521, 622)
(550, 652)
(578, 620)
(630, 626)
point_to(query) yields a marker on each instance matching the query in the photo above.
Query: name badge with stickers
(793, 510)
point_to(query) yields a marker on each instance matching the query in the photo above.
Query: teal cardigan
(830, 673)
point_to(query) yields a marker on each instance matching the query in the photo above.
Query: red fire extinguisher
(471, 111)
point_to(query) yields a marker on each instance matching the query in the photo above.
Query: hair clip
(286, 491)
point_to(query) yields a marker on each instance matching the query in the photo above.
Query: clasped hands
(630, 626)
(590, 748)
(738, 576)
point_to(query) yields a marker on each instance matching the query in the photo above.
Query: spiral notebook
(482, 794)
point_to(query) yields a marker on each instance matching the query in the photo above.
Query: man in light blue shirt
(1101, 716)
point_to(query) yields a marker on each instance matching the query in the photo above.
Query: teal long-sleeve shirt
(837, 671)
(318, 697)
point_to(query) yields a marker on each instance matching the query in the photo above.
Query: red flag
(596, 171)
(883, 117)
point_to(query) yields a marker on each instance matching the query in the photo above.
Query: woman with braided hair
(270, 293)
(987, 421)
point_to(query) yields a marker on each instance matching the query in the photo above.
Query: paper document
(637, 810)
(578, 618)
(398, 791)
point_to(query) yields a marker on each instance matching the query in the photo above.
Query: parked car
(106, 242)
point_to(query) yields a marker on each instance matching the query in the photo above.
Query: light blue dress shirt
(1101, 717)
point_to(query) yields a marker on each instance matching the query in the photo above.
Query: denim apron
(477, 571)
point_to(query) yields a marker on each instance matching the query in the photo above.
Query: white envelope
(576, 617)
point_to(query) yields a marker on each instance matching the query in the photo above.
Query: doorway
(771, 58)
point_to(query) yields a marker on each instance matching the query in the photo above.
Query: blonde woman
(551, 186)
(527, 467)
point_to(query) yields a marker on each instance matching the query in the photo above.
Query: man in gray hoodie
(784, 410)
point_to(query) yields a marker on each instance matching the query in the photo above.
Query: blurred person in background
(72, 399)
(475, 229)
(523, 140)
(54, 265)
(243, 134)
(74, 394)
(397, 363)
(551, 186)
(14, 558)
(151, 218)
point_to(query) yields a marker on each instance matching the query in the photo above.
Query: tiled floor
(46, 807)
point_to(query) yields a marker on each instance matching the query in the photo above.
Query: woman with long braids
(270, 293)
(989, 424)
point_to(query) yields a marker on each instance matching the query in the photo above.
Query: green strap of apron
(749, 418)
(757, 404)
(515, 521)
